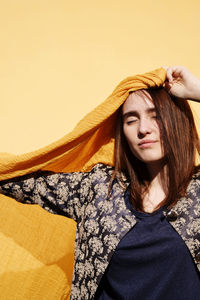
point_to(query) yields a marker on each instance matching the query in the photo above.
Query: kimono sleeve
(60, 193)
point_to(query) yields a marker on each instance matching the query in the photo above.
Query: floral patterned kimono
(101, 221)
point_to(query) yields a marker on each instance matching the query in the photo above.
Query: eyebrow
(135, 113)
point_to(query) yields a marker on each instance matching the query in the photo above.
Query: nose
(145, 127)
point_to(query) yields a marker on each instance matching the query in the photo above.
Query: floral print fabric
(102, 221)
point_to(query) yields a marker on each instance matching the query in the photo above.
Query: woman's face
(141, 128)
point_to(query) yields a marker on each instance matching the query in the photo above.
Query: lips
(146, 143)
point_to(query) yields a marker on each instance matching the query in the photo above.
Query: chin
(153, 160)
(150, 158)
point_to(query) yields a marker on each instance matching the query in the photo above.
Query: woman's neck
(156, 170)
(156, 192)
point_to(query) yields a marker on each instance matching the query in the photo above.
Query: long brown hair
(180, 143)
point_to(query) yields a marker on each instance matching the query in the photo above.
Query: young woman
(138, 224)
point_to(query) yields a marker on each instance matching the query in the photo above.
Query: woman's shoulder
(196, 174)
(194, 184)
(101, 171)
(101, 167)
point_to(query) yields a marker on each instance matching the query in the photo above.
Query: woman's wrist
(194, 94)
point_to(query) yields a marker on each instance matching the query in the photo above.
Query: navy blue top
(150, 262)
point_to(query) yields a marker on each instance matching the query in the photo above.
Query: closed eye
(131, 120)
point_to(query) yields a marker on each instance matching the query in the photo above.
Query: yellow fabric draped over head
(91, 141)
(37, 247)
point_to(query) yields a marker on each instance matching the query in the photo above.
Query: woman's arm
(182, 83)
(62, 193)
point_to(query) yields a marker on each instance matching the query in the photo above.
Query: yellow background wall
(60, 58)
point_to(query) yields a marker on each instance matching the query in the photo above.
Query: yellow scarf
(90, 142)
(37, 247)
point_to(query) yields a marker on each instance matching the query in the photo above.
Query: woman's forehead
(138, 101)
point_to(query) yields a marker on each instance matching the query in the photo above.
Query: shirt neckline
(140, 214)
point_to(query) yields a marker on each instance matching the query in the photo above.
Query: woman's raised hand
(182, 83)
